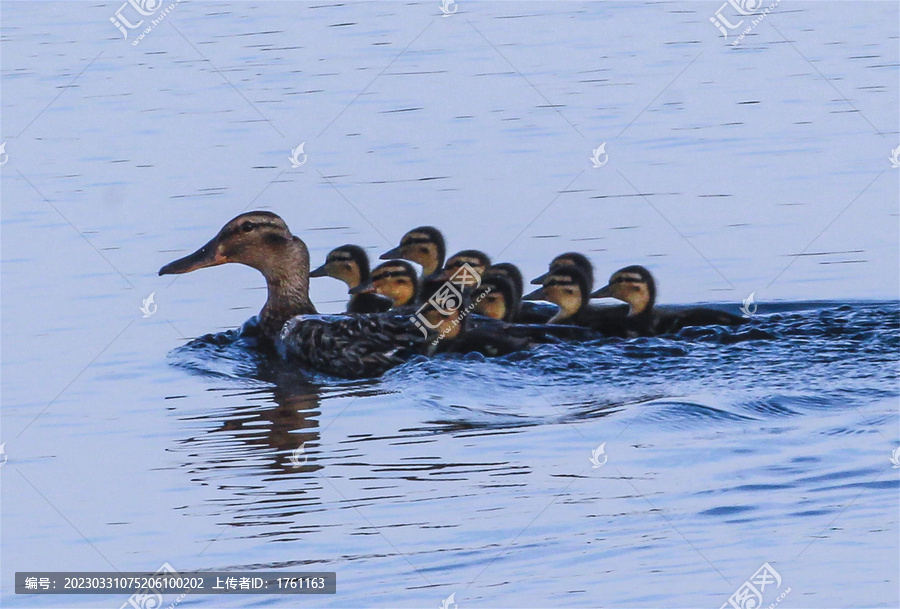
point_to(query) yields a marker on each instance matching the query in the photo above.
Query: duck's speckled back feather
(350, 346)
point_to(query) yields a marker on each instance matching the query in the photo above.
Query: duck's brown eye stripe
(563, 282)
(386, 274)
(628, 279)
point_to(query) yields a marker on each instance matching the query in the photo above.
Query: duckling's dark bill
(540, 280)
(202, 258)
(322, 271)
(391, 254)
(604, 292)
(538, 294)
(368, 286)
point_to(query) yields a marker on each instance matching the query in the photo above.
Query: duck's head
(511, 272)
(478, 261)
(349, 263)
(423, 245)
(567, 288)
(261, 240)
(258, 239)
(633, 285)
(496, 297)
(569, 259)
(395, 279)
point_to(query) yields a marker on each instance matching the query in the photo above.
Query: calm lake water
(728, 170)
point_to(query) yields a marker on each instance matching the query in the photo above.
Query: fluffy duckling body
(635, 286)
(351, 346)
(350, 264)
(394, 279)
(567, 288)
(423, 245)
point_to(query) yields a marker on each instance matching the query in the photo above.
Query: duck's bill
(538, 294)
(202, 258)
(319, 272)
(391, 254)
(604, 292)
(540, 280)
(363, 288)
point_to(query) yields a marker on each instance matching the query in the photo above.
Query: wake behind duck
(361, 345)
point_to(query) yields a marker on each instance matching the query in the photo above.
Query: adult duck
(351, 346)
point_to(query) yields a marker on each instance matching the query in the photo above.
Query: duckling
(528, 312)
(350, 264)
(567, 287)
(478, 261)
(635, 286)
(423, 245)
(395, 279)
(511, 272)
(351, 346)
(496, 297)
(579, 261)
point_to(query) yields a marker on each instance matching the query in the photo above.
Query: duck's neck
(288, 287)
(641, 304)
(567, 311)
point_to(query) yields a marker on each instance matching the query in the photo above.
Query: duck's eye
(247, 227)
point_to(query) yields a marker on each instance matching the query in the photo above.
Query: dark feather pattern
(350, 346)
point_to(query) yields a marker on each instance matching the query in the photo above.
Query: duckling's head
(395, 279)
(511, 272)
(423, 245)
(569, 259)
(349, 263)
(479, 261)
(496, 297)
(633, 285)
(567, 288)
(258, 239)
